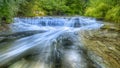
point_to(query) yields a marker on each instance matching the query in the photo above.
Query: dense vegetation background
(108, 10)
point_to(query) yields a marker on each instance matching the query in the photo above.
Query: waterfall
(58, 47)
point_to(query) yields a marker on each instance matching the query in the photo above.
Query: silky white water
(58, 47)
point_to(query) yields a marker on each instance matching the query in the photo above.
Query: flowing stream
(57, 46)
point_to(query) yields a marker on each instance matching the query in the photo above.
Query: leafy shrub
(98, 11)
(108, 10)
(113, 14)
(30, 8)
(9, 8)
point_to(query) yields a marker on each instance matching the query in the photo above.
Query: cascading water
(57, 47)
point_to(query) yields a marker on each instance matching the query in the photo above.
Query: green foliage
(99, 11)
(63, 7)
(8, 8)
(30, 8)
(105, 9)
(76, 7)
(11, 8)
(54, 7)
(113, 14)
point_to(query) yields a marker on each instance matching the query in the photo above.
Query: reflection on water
(58, 47)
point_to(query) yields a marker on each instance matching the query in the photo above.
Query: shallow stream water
(59, 46)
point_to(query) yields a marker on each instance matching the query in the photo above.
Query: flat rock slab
(103, 47)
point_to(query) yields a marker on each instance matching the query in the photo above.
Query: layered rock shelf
(103, 46)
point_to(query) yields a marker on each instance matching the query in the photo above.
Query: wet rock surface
(66, 51)
(17, 35)
(62, 46)
(103, 46)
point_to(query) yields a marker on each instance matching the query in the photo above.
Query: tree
(9, 8)
(76, 6)
(105, 9)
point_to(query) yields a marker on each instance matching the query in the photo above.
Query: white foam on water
(45, 44)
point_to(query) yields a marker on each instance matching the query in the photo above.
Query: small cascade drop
(58, 47)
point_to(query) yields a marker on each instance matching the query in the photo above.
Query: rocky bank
(103, 45)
